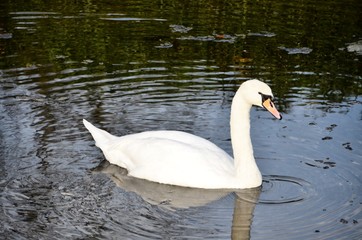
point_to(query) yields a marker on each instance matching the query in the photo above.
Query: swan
(182, 159)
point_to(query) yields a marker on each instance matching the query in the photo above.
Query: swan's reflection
(175, 197)
(243, 212)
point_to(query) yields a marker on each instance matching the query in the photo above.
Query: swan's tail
(101, 137)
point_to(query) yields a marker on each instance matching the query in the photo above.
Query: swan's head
(258, 93)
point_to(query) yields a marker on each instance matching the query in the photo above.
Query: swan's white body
(183, 159)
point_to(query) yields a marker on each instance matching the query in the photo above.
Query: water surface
(131, 66)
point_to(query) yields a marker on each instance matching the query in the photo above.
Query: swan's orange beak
(269, 105)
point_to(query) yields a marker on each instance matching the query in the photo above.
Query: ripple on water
(309, 211)
(284, 189)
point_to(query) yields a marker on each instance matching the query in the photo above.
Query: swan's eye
(265, 97)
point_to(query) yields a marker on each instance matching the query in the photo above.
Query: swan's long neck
(244, 161)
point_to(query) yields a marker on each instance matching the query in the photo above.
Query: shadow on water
(175, 198)
(275, 190)
(167, 196)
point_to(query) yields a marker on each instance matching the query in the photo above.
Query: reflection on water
(131, 66)
(175, 198)
(161, 194)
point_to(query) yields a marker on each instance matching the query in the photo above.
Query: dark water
(130, 66)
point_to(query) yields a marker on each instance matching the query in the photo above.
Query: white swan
(183, 159)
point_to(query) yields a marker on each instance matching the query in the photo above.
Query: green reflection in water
(292, 44)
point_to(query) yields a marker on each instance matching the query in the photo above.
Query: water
(131, 66)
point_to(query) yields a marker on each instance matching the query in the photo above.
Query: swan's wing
(178, 136)
(174, 158)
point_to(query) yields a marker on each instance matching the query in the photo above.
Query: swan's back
(170, 157)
